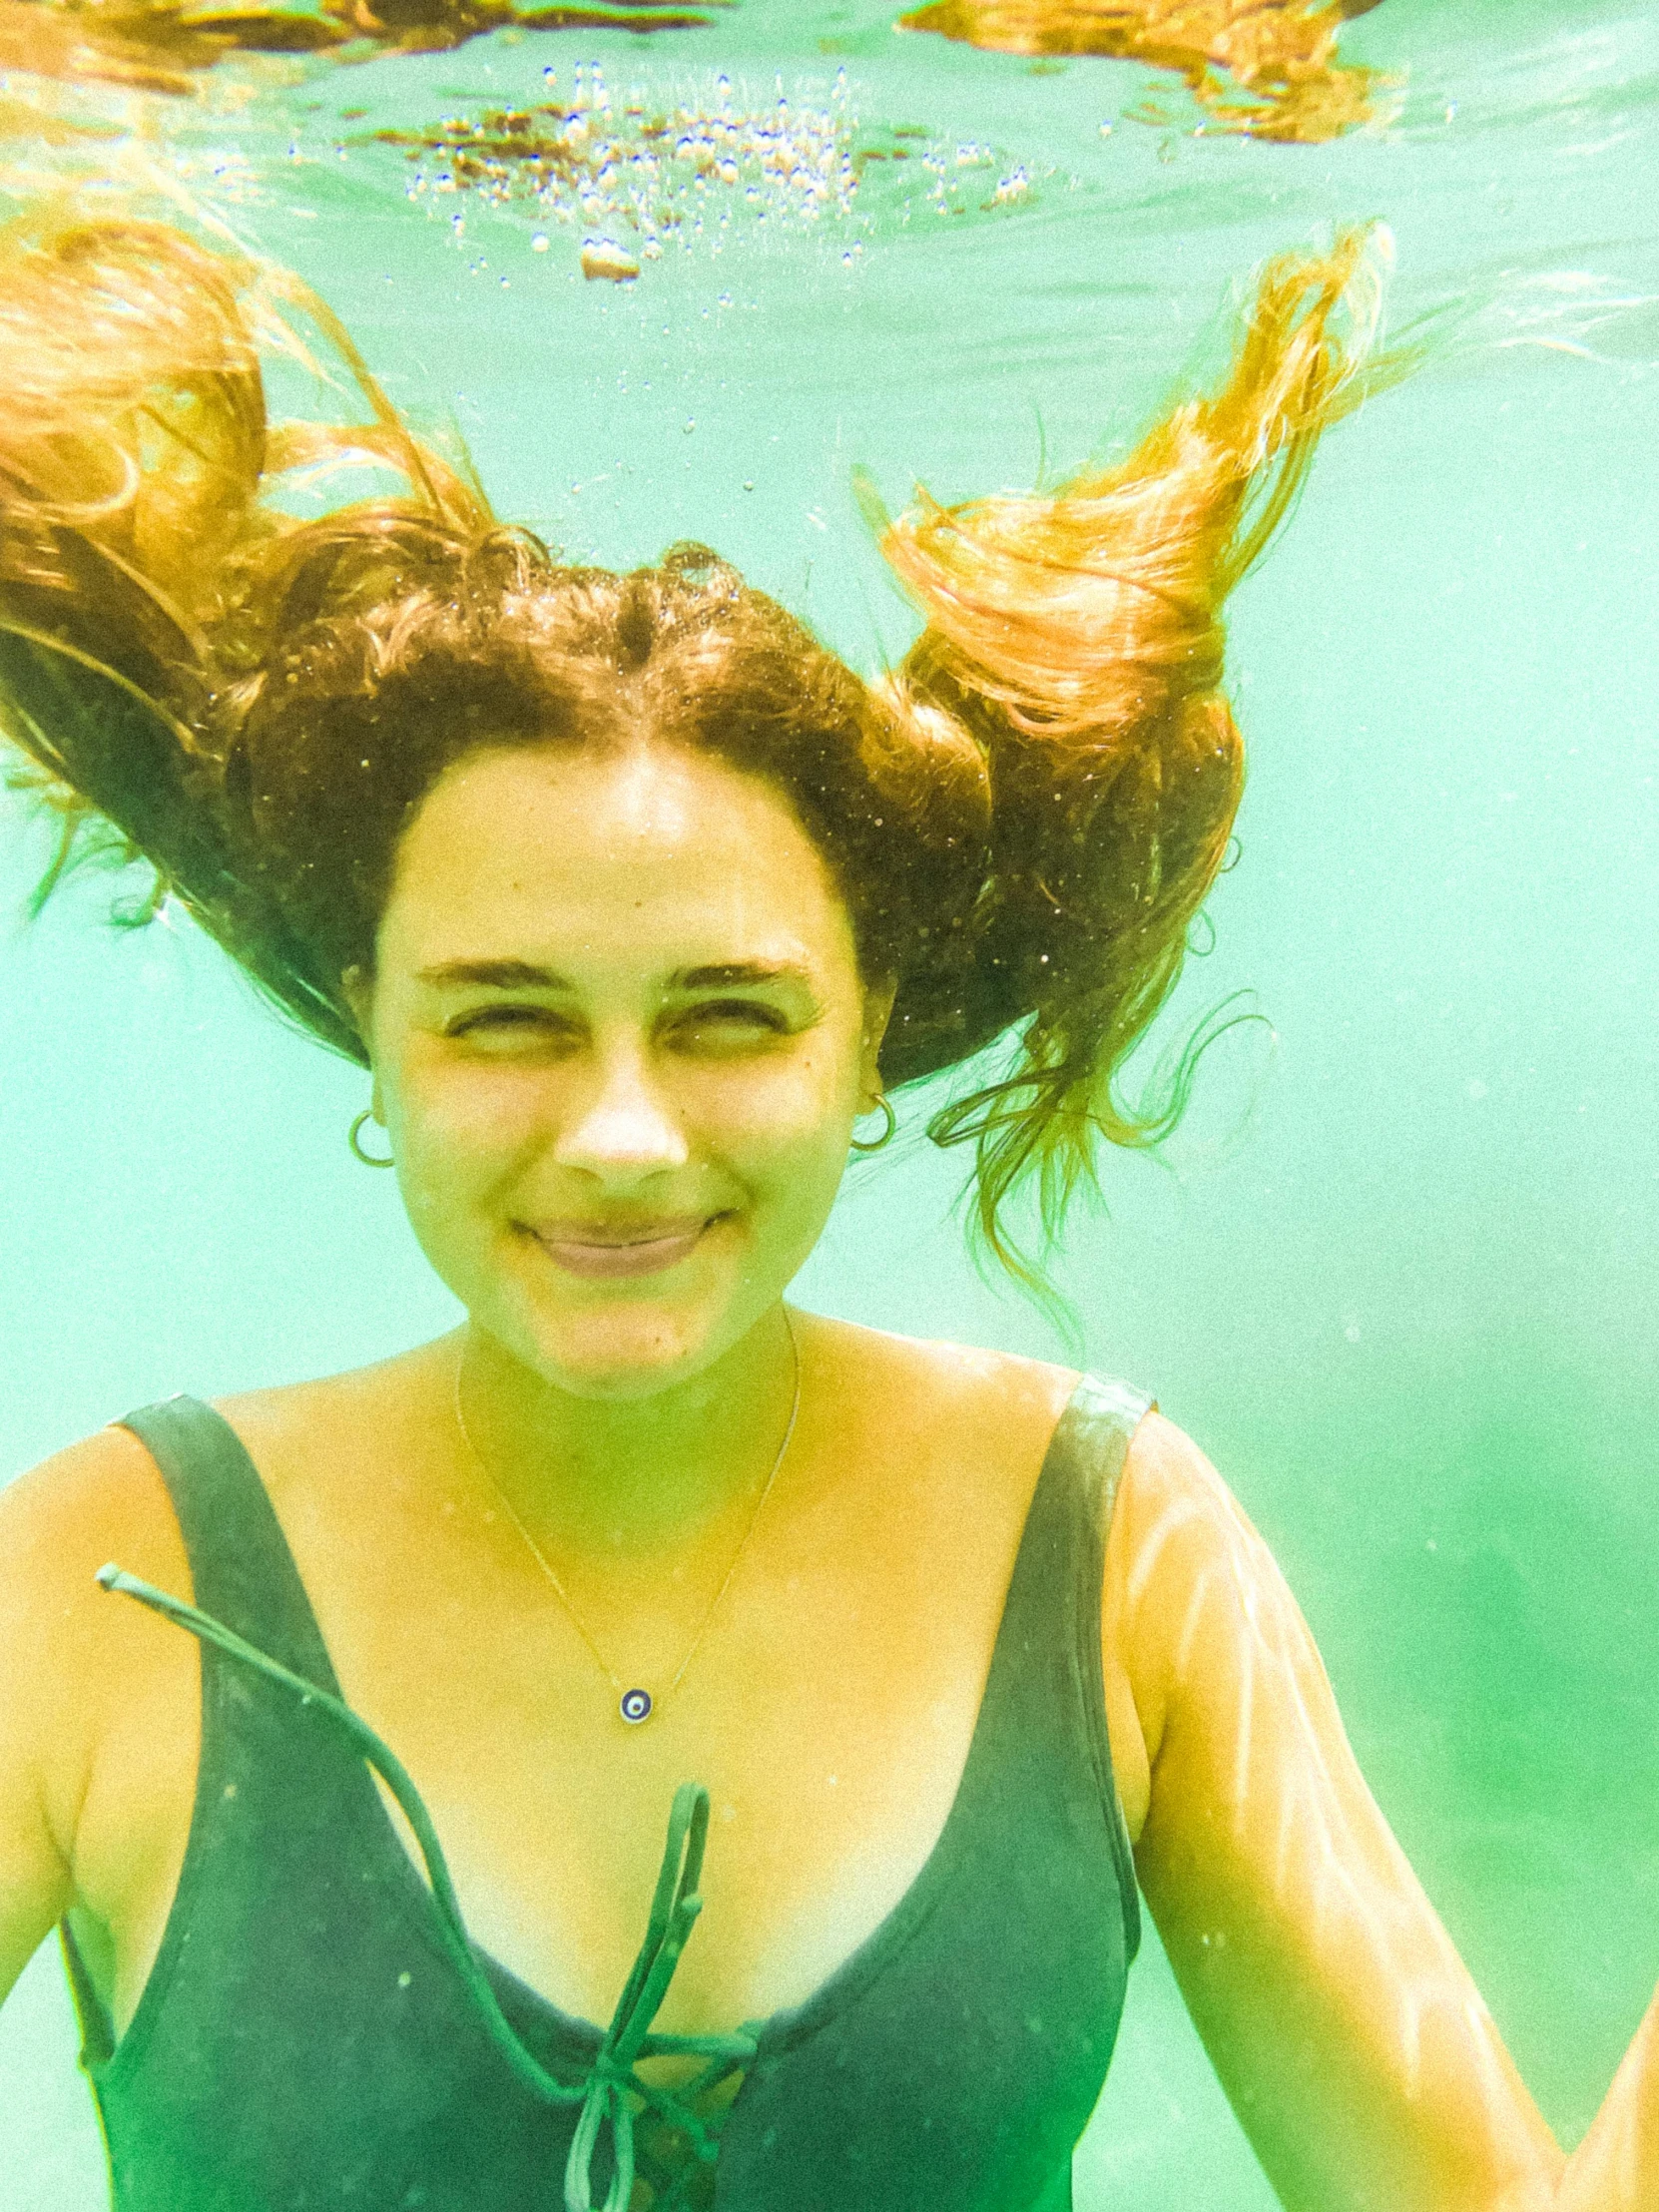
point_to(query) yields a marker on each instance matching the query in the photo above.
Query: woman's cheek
(457, 1151)
(791, 1163)
(469, 1127)
(797, 1103)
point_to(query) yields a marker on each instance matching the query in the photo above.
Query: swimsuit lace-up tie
(606, 2092)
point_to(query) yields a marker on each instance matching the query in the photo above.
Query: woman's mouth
(596, 1248)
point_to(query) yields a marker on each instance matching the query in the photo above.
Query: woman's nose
(623, 1127)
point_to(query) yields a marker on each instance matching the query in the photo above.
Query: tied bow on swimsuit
(612, 2081)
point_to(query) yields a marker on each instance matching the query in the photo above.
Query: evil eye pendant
(635, 1706)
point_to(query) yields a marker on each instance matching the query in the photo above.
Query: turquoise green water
(1398, 1272)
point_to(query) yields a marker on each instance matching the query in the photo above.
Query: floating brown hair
(1023, 818)
(1263, 68)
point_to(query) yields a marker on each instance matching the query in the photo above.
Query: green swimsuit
(313, 2036)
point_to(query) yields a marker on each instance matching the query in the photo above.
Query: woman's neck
(635, 1476)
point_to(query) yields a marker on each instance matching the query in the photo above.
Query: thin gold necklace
(635, 1705)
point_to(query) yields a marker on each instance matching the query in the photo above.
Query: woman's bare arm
(1352, 2044)
(35, 1880)
(68, 1658)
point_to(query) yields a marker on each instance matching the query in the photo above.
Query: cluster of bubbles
(632, 179)
(635, 180)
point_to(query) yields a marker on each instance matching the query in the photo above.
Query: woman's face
(619, 1039)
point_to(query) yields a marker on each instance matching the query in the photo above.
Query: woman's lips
(601, 1249)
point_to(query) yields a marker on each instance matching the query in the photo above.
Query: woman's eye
(728, 1022)
(488, 1025)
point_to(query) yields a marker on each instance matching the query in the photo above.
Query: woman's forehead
(645, 854)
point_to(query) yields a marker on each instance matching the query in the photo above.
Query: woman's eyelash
(506, 1016)
(722, 1010)
(744, 1010)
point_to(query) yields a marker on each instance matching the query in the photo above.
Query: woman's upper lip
(614, 1234)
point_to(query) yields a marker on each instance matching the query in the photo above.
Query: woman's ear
(879, 1001)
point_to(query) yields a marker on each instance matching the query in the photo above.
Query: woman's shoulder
(98, 1499)
(1000, 1409)
(1173, 1498)
(103, 1497)
(918, 1380)
(349, 1402)
(1174, 1517)
(67, 1653)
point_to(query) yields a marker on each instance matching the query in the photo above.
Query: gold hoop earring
(368, 1158)
(883, 1105)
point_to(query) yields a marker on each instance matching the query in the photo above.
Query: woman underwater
(636, 900)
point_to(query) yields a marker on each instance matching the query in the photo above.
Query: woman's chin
(627, 1351)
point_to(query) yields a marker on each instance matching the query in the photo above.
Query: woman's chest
(828, 1706)
(825, 1807)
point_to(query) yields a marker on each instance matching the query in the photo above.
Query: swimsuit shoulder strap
(241, 1567)
(1046, 1697)
(1062, 1554)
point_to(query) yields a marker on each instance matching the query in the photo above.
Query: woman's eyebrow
(500, 975)
(524, 975)
(736, 974)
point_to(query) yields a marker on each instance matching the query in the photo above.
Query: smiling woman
(620, 1048)
(633, 898)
